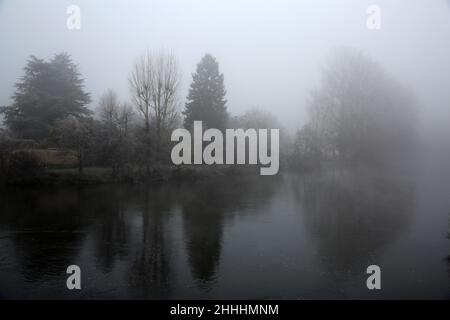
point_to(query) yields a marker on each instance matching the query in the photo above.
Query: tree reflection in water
(167, 240)
(353, 215)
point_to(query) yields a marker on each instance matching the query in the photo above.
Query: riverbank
(101, 175)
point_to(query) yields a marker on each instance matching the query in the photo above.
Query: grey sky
(271, 52)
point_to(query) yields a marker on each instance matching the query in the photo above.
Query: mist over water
(364, 119)
(313, 236)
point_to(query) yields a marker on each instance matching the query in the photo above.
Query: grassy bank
(101, 175)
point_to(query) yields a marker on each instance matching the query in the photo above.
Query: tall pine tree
(48, 92)
(206, 98)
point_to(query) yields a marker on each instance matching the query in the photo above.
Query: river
(285, 237)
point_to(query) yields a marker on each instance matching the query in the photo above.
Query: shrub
(24, 167)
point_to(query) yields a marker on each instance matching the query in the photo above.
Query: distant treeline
(359, 115)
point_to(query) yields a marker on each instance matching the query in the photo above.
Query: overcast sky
(271, 52)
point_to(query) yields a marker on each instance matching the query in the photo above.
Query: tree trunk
(158, 140)
(80, 163)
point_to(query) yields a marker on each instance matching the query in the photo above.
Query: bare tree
(360, 113)
(76, 134)
(109, 109)
(116, 116)
(255, 117)
(165, 86)
(125, 118)
(114, 143)
(141, 87)
(154, 85)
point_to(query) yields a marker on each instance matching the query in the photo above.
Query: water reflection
(202, 227)
(206, 209)
(127, 231)
(45, 229)
(150, 272)
(353, 216)
(448, 257)
(297, 236)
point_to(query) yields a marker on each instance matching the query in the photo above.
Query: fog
(360, 177)
(270, 52)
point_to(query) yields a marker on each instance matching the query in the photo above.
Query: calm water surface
(296, 237)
